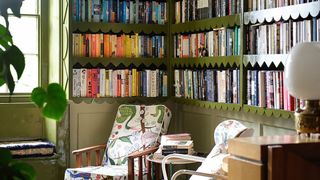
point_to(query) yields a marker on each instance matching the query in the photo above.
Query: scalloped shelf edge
(276, 59)
(112, 100)
(117, 61)
(206, 24)
(208, 104)
(225, 61)
(268, 112)
(284, 13)
(118, 27)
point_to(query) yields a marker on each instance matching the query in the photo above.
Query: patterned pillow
(135, 128)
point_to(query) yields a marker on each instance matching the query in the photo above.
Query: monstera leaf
(11, 169)
(53, 102)
(10, 55)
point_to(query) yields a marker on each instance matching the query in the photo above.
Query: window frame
(43, 68)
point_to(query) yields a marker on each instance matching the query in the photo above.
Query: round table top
(169, 161)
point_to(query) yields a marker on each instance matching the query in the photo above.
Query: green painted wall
(201, 122)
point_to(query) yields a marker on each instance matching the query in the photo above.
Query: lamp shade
(302, 71)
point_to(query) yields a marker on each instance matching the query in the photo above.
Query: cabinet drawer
(245, 169)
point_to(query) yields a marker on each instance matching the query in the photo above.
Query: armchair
(212, 164)
(134, 135)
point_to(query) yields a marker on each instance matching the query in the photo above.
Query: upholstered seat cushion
(98, 172)
(29, 148)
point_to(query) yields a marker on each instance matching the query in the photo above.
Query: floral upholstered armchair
(134, 135)
(211, 167)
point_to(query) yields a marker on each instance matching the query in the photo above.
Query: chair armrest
(179, 156)
(88, 150)
(91, 148)
(139, 155)
(143, 153)
(190, 172)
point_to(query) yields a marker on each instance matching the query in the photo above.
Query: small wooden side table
(157, 165)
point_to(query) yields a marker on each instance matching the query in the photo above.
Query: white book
(210, 43)
(76, 85)
(148, 82)
(123, 83)
(102, 83)
(235, 91)
(83, 91)
(181, 144)
(153, 83)
(177, 83)
(115, 83)
(222, 87)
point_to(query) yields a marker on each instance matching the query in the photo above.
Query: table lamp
(302, 79)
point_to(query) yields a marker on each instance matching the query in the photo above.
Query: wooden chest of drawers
(274, 158)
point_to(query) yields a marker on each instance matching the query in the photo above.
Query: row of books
(180, 143)
(120, 11)
(218, 42)
(266, 89)
(190, 10)
(255, 5)
(117, 45)
(281, 37)
(208, 84)
(101, 82)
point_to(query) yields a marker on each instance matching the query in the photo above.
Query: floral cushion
(136, 127)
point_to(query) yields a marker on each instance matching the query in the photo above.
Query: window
(26, 34)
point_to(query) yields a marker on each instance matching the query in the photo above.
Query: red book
(93, 45)
(95, 82)
(89, 83)
(291, 103)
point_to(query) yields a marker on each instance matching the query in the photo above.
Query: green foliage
(14, 170)
(10, 55)
(53, 102)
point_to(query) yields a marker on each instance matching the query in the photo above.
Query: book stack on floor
(174, 143)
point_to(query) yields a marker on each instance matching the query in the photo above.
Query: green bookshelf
(242, 61)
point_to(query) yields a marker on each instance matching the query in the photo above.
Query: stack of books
(174, 143)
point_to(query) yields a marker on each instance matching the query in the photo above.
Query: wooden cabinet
(274, 158)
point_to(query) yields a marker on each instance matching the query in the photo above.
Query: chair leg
(149, 170)
(130, 169)
(140, 168)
